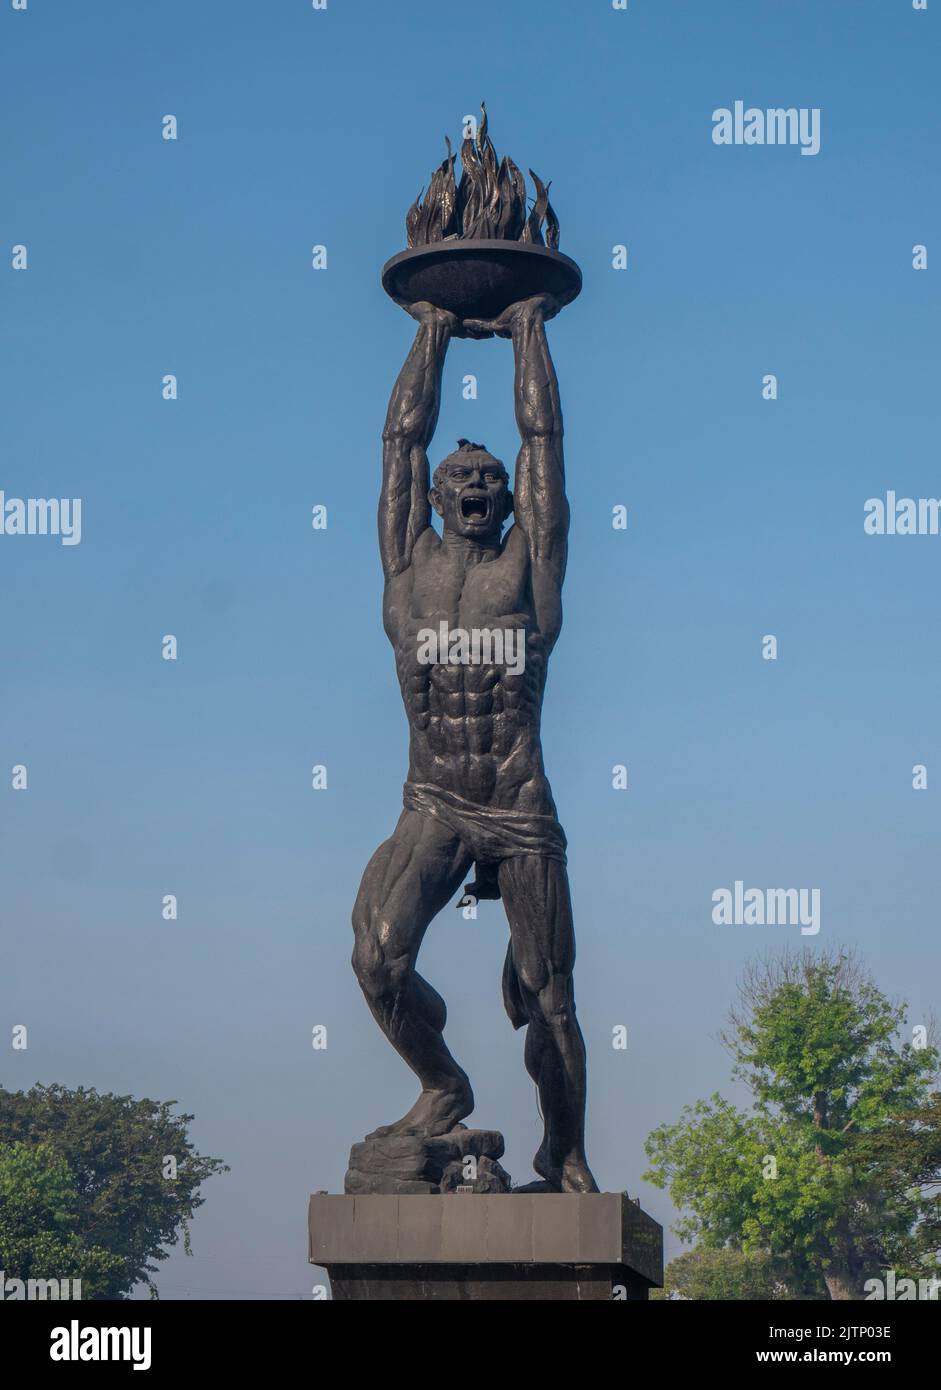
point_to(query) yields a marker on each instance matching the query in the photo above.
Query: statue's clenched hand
(424, 312)
(542, 306)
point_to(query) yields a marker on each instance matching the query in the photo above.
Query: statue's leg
(542, 941)
(407, 882)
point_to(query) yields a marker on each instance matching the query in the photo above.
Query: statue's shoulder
(424, 551)
(514, 543)
(426, 548)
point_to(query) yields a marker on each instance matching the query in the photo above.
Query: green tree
(712, 1275)
(835, 1171)
(125, 1182)
(38, 1237)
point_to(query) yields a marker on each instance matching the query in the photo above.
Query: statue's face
(473, 498)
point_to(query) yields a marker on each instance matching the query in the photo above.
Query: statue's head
(470, 491)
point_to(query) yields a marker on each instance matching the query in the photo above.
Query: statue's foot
(434, 1112)
(571, 1174)
(577, 1176)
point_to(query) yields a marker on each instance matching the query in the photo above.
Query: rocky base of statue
(464, 1160)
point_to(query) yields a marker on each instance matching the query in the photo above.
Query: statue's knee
(367, 955)
(554, 1003)
(364, 962)
(379, 974)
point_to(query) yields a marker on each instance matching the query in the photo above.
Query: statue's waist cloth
(491, 835)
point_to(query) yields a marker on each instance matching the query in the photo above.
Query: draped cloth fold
(490, 833)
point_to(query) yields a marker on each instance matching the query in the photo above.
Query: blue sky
(147, 777)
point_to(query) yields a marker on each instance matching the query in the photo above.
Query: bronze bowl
(479, 279)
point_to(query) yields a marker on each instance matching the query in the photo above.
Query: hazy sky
(150, 777)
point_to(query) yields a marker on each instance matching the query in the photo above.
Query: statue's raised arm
(539, 502)
(404, 509)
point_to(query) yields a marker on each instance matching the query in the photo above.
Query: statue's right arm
(404, 509)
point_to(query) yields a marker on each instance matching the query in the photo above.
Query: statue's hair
(464, 446)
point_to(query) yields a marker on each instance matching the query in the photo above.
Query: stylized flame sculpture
(488, 204)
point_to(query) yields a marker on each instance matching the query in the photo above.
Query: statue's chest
(488, 593)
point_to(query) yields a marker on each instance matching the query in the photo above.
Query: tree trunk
(841, 1285)
(821, 1120)
(842, 1282)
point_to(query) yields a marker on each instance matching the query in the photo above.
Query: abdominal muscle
(475, 732)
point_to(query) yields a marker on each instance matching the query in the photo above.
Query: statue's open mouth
(475, 508)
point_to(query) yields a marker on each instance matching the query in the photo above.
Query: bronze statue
(477, 791)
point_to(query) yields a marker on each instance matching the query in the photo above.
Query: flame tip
(490, 202)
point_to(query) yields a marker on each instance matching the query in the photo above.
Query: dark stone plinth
(479, 279)
(483, 1283)
(555, 1246)
(410, 1165)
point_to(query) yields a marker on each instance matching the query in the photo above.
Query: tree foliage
(39, 1236)
(92, 1170)
(712, 1275)
(835, 1171)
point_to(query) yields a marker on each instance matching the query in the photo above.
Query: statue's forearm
(539, 487)
(404, 509)
(538, 409)
(416, 396)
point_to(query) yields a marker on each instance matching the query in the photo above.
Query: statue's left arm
(540, 505)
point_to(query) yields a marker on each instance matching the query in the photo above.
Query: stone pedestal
(472, 1245)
